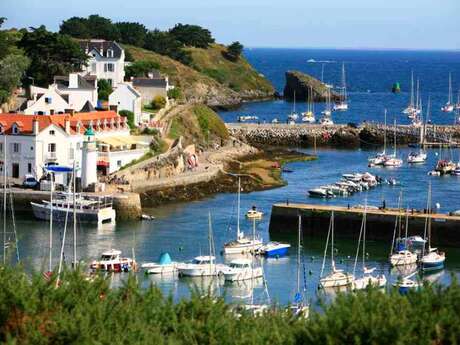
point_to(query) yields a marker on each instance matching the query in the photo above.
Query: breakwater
(380, 222)
(341, 135)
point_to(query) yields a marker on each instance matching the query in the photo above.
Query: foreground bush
(34, 311)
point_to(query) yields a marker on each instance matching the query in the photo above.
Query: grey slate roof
(86, 82)
(105, 45)
(88, 107)
(147, 82)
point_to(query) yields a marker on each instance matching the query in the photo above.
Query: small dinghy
(274, 249)
(163, 266)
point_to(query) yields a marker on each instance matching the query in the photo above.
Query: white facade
(106, 60)
(125, 97)
(78, 92)
(46, 102)
(89, 163)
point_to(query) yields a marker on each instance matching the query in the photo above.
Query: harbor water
(181, 229)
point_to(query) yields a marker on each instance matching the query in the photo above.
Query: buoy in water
(396, 88)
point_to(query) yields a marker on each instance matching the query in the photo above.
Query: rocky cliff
(300, 84)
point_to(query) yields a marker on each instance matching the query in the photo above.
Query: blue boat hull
(276, 252)
(433, 266)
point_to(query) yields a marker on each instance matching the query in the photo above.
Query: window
(119, 164)
(1, 129)
(109, 53)
(110, 82)
(51, 147)
(78, 146)
(31, 148)
(48, 100)
(16, 147)
(93, 67)
(29, 168)
(52, 132)
(15, 129)
(1, 166)
(109, 67)
(1, 147)
(71, 153)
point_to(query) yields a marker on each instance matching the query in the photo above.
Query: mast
(344, 86)
(325, 247)
(407, 225)
(322, 73)
(75, 218)
(396, 223)
(364, 236)
(238, 232)
(210, 241)
(395, 138)
(4, 199)
(358, 246)
(449, 100)
(385, 133)
(298, 254)
(412, 90)
(417, 95)
(50, 268)
(332, 241)
(293, 111)
(428, 206)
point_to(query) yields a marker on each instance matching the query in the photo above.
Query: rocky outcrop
(301, 84)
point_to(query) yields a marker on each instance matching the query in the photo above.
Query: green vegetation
(158, 102)
(209, 122)
(140, 68)
(177, 128)
(50, 54)
(82, 311)
(175, 93)
(192, 35)
(130, 116)
(104, 89)
(233, 51)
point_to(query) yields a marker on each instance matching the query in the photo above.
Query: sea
(181, 229)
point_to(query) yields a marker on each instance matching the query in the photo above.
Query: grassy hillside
(213, 80)
(240, 76)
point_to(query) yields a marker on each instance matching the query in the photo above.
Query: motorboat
(417, 157)
(369, 280)
(200, 266)
(434, 260)
(241, 269)
(253, 213)
(88, 209)
(456, 171)
(393, 162)
(403, 257)
(275, 121)
(111, 261)
(414, 242)
(274, 249)
(445, 167)
(326, 120)
(378, 159)
(405, 285)
(321, 193)
(244, 118)
(163, 266)
(308, 117)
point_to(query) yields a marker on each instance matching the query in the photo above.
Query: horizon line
(356, 48)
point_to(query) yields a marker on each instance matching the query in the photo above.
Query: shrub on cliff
(192, 35)
(210, 123)
(174, 93)
(233, 51)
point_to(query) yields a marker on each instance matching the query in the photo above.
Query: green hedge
(83, 311)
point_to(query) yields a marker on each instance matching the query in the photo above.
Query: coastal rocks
(299, 83)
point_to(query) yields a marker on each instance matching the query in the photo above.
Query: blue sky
(407, 24)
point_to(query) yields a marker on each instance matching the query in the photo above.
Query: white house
(125, 97)
(72, 92)
(32, 142)
(106, 60)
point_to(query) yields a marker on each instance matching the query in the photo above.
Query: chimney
(102, 50)
(35, 126)
(73, 81)
(67, 125)
(69, 111)
(51, 111)
(87, 49)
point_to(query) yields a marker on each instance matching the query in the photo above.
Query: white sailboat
(420, 156)
(309, 115)
(393, 160)
(368, 279)
(432, 259)
(449, 106)
(293, 116)
(242, 244)
(402, 257)
(243, 269)
(411, 108)
(342, 105)
(336, 277)
(300, 306)
(381, 157)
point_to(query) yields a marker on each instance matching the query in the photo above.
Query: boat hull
(233, 275)
(277, 252)
(98, 216)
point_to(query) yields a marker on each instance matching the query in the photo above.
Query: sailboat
(368, 279)
(336, 277)
(421, 156)
(381, 157)
(457, 106)
(243, 269)
(293, 116)
(300, 306)
(434, 259)
(203, 265)
(326, 119)
(449, 106)
(342, 105)
(242, 244)
(309, 115)
(412, 107)
(403, 256)
(393, 161)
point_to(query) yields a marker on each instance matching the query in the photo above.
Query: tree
(174, 93)
(130, 116)
(140, 68)
(165, 44)
(132, 33)
(100, 27)
(75, 27)
(12, 69)
(192, 35)
(104, 89)
(50, 54)
(233, 51)
(158, 102)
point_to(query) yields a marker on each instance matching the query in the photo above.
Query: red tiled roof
(25, 122)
